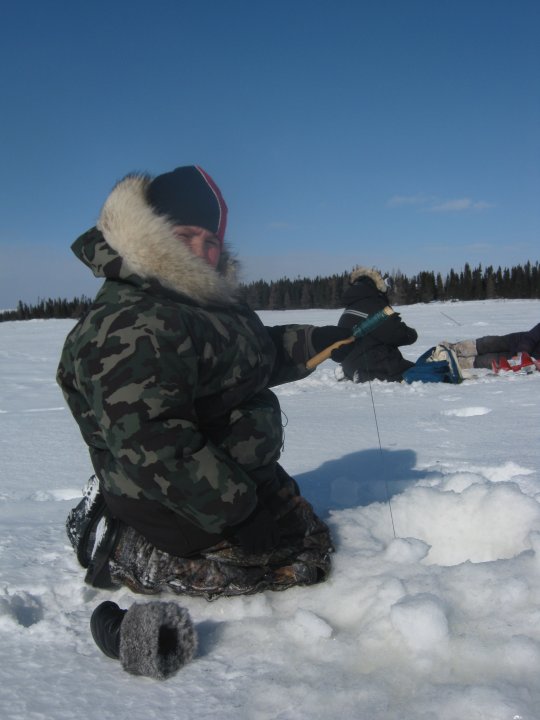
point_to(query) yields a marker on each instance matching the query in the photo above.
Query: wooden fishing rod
(358, 331)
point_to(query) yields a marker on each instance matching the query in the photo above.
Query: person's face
(201, 242)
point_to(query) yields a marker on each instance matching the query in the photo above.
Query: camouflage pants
(302, 558)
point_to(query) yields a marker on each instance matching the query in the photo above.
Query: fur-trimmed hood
(360, 272)
(131, 239)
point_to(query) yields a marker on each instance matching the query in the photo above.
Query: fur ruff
(156, 639)
(372, 274)
(147, 245)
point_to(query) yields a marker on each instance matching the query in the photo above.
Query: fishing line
(382, 459)
(369, 324)
(358, 332)
(450, 318)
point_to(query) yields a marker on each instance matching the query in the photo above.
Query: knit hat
(189, 196)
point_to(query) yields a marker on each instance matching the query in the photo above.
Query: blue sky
(402, 134)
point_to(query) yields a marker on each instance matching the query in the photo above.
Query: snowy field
(432, 611)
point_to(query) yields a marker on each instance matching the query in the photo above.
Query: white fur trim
(359, 272)
(148, 247)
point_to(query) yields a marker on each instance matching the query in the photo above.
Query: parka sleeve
(392, 331)
(399, 333)
(293, 350)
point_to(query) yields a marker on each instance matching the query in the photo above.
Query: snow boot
(154, 639)
(103, 541)
(463, 348)
(82, 520)
(93, 533)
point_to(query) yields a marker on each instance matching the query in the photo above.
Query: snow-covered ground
(439, 621)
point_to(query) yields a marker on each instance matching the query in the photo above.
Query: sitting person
(486, 351)
(375, 356)
(168, 378)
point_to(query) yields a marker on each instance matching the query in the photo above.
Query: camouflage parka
(167, 376)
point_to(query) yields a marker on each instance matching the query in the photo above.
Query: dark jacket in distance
(375, 356)
(495, 347)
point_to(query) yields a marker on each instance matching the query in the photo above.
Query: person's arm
(293, 349)
(392, 332)
(399, 333)
(296, 344)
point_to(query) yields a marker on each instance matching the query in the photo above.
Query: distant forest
(521, 281)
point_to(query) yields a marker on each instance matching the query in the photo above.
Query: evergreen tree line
(326, 292)
(469, 284)
(45, 309)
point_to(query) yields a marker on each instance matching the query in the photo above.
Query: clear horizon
(396, 135)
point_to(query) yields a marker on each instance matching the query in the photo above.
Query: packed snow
(432, 492)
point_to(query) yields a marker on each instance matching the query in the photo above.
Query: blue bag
(438, 364)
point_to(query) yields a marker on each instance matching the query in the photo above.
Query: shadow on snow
(359, 479)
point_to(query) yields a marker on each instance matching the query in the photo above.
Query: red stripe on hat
(220, 201)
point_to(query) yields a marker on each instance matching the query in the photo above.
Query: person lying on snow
(377, 356)
(168, 378)
(514, 351)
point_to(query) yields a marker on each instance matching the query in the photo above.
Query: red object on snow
(521, 363)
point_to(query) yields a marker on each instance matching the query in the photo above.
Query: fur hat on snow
(154, 639)
(189, 196)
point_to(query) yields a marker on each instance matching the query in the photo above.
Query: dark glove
(412, 336)
(258, 534)
(339, 354)
(323, 337)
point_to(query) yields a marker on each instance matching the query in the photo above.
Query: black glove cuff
(323, 337)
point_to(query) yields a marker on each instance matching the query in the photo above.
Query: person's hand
(258, 534)
(323, 337)
(339, 354)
